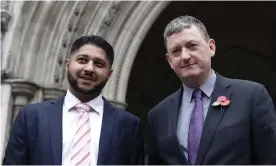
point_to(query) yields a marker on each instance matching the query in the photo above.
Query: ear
(110, 73)
(67, 62)
(168, 57)
(212, 46)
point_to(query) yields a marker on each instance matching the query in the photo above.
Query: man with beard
(82, 127)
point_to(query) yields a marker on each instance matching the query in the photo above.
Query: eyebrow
(192, 41)
(85, 55)
(189, 42)
(99, 59)
(96, 59)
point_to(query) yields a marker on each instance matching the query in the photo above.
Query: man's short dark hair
(96, 41)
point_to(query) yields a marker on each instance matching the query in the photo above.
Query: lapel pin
(221, 101)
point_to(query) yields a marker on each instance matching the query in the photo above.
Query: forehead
(91, 51)
(186, 35)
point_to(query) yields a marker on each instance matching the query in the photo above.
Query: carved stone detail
(109, 18)
(6, 74)
(5, 5)
(5, 15)
(23, 88)
(59, 73)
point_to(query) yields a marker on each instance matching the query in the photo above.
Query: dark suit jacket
(36, 136)
(244, 132)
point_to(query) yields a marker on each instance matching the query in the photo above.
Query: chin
(190, 74)
(85, 88)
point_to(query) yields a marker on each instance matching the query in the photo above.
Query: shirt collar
(207, 88)
(70, 101)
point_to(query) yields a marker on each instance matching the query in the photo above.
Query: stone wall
(36, 37)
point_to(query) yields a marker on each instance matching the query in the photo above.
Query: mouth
(88, 78)
(186, 66)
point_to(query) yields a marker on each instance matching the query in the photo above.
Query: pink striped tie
(81, 144)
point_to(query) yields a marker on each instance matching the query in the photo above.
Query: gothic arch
(43, 32)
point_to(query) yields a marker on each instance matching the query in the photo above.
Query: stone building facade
(36, 36)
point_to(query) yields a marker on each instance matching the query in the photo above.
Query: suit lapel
(214, 117)
(174, 107)
(106, 131)
(174, 111)
(55, 125)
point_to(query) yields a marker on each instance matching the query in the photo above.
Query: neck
(196, 82)
(84, 97)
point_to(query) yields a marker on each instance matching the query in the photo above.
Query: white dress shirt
(69, 126)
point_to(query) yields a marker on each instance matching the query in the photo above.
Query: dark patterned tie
(196, 126)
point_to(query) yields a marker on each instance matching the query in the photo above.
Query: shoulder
(162, 106)
(249, 88)
(123, 118)
(31, 113)
(123, 113)
(246, 91)
(35, 108)
(243, 85)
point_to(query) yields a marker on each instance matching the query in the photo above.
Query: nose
(89, 67)
(185, 55)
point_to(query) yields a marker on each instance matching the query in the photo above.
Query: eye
(99, 64)
(82, 60)
(192, 46)
(176, 52)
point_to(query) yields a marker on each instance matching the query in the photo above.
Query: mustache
(96, 90)
(91, 77)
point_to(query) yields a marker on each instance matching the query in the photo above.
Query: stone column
(6, 106)
(23, 92)
(14, 95)
(52, 93)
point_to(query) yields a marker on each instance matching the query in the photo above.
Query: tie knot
(81, 107)
(197, 94)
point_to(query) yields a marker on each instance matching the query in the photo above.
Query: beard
(97, 89)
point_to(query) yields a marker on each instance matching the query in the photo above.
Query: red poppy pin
(221, 101)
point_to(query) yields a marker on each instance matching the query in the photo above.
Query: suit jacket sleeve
(264, 127)
(139, 150)
(16, 150)
(154, 158)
